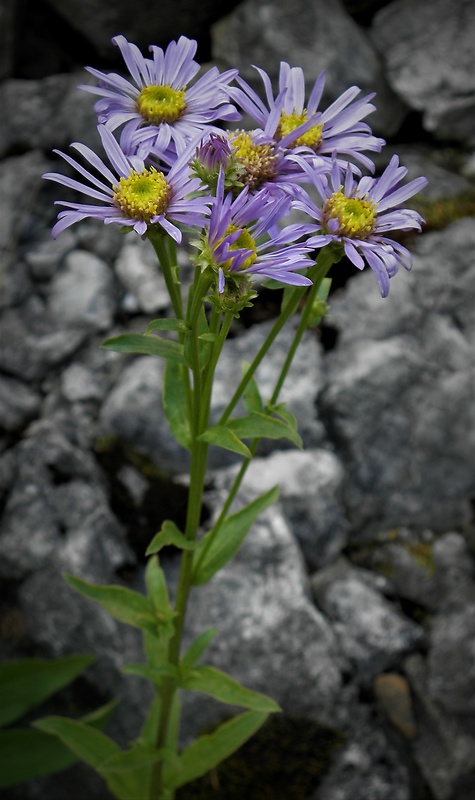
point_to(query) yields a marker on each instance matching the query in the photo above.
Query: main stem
(199, 452)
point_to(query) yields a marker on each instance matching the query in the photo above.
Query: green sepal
(222, 687)
(27, 682)
(169, 534)
(26, 754)
(223, 436)
(209, 750)
(196, 649)
(175, 402)
(319, 306)
(251, 396)
(147, 345)
(214, 551)
(166, 324)
(121, 603)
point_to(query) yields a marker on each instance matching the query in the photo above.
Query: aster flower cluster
(172, 166)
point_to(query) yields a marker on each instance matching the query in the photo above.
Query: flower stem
(202, 386)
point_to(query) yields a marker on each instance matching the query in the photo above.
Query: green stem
(320, 270)
(316, 274)
(165, 257)
(199, 452)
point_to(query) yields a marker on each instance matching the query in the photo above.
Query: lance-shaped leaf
(28, 682)
(155, 675)
(319, 305)
(223, 436)
(281, 411)
(169, 534)
(208, 751)
(214, 551)
(196, 649)
(175, 402)
(222, 687)
(122, 603)
(258, 425)
(147, 345)
(95, 748)
(26, 754)
(166, 324)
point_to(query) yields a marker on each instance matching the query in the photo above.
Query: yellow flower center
(355, 215)
(288, 123)
(143, 195)
(243, 242)
(159, 104)
(258, 160)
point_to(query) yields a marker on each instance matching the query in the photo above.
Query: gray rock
(139, 273)
(372, 634)
(31, 345)
(315, 37)
(20, 181)
(427, 48)
(445, 745)
(310, 495)
(47, 113)
(133, 413)
(45, 257)
(455, 570)
(80, 383)
(60, 621)
(451, 679)
(369, 766)
(98, 23)
(398, 400)
(271, 637)
(83, 293)
(300, 388)
(18, 403)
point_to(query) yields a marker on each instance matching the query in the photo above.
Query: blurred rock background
(353, 601)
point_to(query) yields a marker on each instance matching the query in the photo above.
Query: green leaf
(27, 754)
(208, 337)
(281, 411)
(169, 534)
(28, 682)
(208, 751)
(45, 755)
(224, 437)
(175, 402)
(122, 603)
(271, 283)
(155, 675)
(95, 748)
(136, 758)
(157, 590)
(222, 687)
(197, 648)
(178, 325)
(263, 426)
(213, 552)
(148, 345)
(251, 395)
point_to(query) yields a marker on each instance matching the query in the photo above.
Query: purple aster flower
(242, 238)
(131, 194)
(159, 107)
(288, 120)
(357, 214)
(249, 158)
